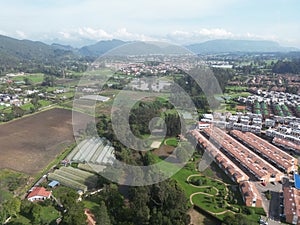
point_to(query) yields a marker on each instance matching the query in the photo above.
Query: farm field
(74, 178)
(31, 143)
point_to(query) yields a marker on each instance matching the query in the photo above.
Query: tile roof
(249, 191)
(39, 191)
(232, 170)
(291, 201)
(261, 169)
(269, 151)
(287, 144)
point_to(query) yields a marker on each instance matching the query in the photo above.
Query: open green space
(32, 78)
(218, 197)
(235, 88)
(172, 142)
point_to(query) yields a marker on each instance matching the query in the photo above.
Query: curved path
(210, 195)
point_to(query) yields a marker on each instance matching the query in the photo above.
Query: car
(266, 223)
(272, 183)
(263, 184)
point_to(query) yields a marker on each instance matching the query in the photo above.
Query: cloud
(200, 35)
(205, 34)
(100, 34)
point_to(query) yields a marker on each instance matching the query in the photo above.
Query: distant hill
(229, 46)
(63, 47)
(100, 47)
(148, 48)
(16, 51)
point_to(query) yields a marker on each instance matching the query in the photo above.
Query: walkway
(210, 195)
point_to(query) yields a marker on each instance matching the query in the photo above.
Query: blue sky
(181, 21)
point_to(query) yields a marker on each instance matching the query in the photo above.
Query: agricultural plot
(29, 144)
(74, 178)
(95, 151)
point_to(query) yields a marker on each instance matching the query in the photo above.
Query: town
(251, 142)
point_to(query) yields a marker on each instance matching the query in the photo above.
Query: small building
(203, 125)
(269, 123)
(39, 194)
(53, 183)
(208, 116)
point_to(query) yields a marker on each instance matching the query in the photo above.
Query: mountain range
(20, 50)
(230, 46)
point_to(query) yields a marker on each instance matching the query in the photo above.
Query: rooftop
(39, 191)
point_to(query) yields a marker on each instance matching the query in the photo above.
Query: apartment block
(260, 168)
(271, 153)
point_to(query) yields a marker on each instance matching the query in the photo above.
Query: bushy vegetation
(291, 66)
(155, 204)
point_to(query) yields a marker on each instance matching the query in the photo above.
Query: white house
(39, 194)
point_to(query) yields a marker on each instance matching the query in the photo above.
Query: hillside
(229, 46)
(100, 47)
(14, 51)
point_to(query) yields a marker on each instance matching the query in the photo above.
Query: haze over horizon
(79, 22)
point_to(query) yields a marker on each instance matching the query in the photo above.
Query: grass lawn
(26, 106)
(48, 214)
(214, 171)
(172, 142)
(33, 78)
(45, 103)
(210, 199)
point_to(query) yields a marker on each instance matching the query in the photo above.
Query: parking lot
(272, 207)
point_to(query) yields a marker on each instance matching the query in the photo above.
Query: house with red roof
(39, 194)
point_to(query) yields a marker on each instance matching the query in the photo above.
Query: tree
(75, 215)
(173, 124)
(13, 206)
(27, 81)
(17, 111)
(237, 219)
(35, 213)
(3, 214)
(48, 81)
(139, 198)
(101, 214)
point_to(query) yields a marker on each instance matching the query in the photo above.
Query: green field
(171, 142)
(33, 78)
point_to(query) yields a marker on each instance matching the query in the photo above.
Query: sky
(79, 22)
